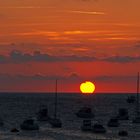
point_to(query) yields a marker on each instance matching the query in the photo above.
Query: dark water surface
(15, 107)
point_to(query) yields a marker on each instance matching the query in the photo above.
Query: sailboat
(137, 117)
(55, 121)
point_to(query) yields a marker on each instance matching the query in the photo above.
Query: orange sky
(73, 40)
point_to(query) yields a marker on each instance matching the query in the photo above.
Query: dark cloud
(137, 45)
(19, 57)
(73, 76)
(15, 79)
(122, 59)
(107, 78)
(22, 78)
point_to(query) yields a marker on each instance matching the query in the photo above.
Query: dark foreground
(17, 107)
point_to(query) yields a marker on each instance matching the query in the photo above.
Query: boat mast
(55, 107)
(137, 103)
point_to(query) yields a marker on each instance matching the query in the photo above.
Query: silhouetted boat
(131, 99)
(55, 122)
(137, 117)
(85, 112)
(123, 114)
(86, 125)
(123, 133)
(42, 115)
(29, 124)
(113, 122)
(14, 130)
(98, 128)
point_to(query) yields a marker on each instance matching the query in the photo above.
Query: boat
(137, 114)
(85, 112)
(55, 121)
(123, 114)
(14, 130)
(98, 128)
(123, 133)
(29, 124)
(131, 99)
(113, 122)
(86, 125)
(42, 114)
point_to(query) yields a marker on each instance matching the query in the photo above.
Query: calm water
(15, 108)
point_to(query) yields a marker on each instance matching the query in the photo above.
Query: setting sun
(87, 87)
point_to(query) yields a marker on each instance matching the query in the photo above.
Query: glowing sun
(87, 87)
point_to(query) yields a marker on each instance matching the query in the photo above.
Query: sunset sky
(69, 40)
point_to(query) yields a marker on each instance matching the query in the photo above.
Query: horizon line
(43, 92)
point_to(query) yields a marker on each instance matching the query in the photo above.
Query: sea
(16, 107)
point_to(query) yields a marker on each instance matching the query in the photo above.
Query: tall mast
(55, 107)
(137, 103)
